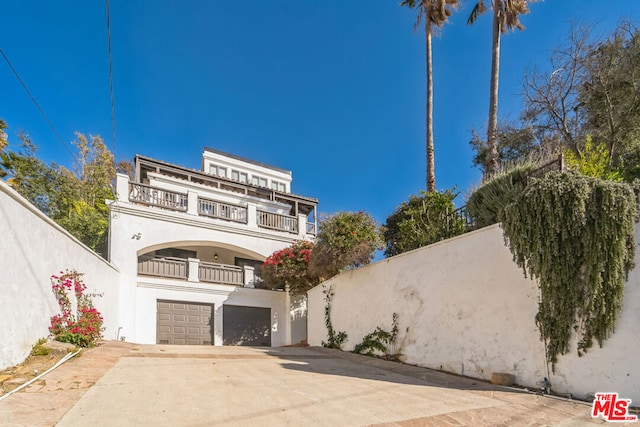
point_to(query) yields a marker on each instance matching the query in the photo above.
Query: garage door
(184, 323)
(246, 325)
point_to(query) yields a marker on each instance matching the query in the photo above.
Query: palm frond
(478, 10)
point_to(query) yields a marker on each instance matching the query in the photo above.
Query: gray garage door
(246, 325)
(184, 323)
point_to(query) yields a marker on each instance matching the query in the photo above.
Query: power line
(113, 109)
(24, 86)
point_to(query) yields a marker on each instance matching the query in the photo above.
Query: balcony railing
(311, 228)
(192, 204)
(141, 193)
(278, 222)
(175, 268)
(225, 211)
(220, 273)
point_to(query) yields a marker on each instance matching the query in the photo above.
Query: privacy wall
(32, 248)
(464, 307)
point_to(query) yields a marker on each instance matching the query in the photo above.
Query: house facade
(189, 245)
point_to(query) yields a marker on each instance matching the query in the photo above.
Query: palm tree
(506, 14)
(434, 12)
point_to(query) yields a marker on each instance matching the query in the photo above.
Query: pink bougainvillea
(290, 266)
(85, 327)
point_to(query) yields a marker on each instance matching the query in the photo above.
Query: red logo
(611, 408)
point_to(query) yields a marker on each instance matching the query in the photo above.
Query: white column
(194, 264)
(252, 216)
(192, 203)
(302, 226)
(122, 187)
(249, 277)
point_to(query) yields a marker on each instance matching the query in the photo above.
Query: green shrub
(345, 240)
(422, 220)
(487, 202)
(39, 349)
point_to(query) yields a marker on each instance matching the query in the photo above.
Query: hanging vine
(575, 234)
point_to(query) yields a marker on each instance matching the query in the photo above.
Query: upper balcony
(210, 197)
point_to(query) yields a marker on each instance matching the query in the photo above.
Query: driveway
(129, 385)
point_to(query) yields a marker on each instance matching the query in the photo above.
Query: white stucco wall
(470, 311)
(32, 248)
(150, 290)
(161, 228)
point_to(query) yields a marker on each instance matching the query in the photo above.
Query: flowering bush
(85, 327)
(345, 240)
(290, 266)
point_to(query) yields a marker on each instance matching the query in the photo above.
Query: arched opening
(215, 262)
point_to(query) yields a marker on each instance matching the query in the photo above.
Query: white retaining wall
(465, 307)
(32, 248)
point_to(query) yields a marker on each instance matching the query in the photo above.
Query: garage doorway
(246, 325)
(184, 323)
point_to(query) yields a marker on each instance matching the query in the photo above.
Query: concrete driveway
(130, 385)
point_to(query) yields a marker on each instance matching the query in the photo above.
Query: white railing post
(122, 187)
(192, 203)
(194, 268)
(252, 215)
(249, 277)
(302, 226)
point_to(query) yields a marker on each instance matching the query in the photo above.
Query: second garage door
(246, 325)
(184, 323)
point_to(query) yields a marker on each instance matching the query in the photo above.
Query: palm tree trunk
(431, 175)
(491, 166)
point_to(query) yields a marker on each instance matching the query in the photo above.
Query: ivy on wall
(575, 234)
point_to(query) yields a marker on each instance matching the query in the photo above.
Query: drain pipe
(60, 362)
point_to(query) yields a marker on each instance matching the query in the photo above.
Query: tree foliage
(420, 221)
(592, 87)
(345, 240)
(593, 161)
(74, 199)
(575, 234)
(290, 267)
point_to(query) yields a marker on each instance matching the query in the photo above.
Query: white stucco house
(189, 245)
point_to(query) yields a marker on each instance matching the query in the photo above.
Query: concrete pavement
(129, 385)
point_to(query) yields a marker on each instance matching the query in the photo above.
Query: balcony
(192, 203)
(194, 270)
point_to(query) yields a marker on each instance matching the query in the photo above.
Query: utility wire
(24, 86)
(113, 109)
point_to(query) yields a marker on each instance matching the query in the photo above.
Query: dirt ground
(15, 376)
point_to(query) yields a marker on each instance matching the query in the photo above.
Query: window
(239, 176)
(258, 180)
(280, 186)
(218, 170)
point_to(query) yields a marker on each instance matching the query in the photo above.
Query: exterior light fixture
(215, 256)
(137, 236)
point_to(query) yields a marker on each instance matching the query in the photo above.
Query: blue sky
(332, 90)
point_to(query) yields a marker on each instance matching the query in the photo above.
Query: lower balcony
(195, 270)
